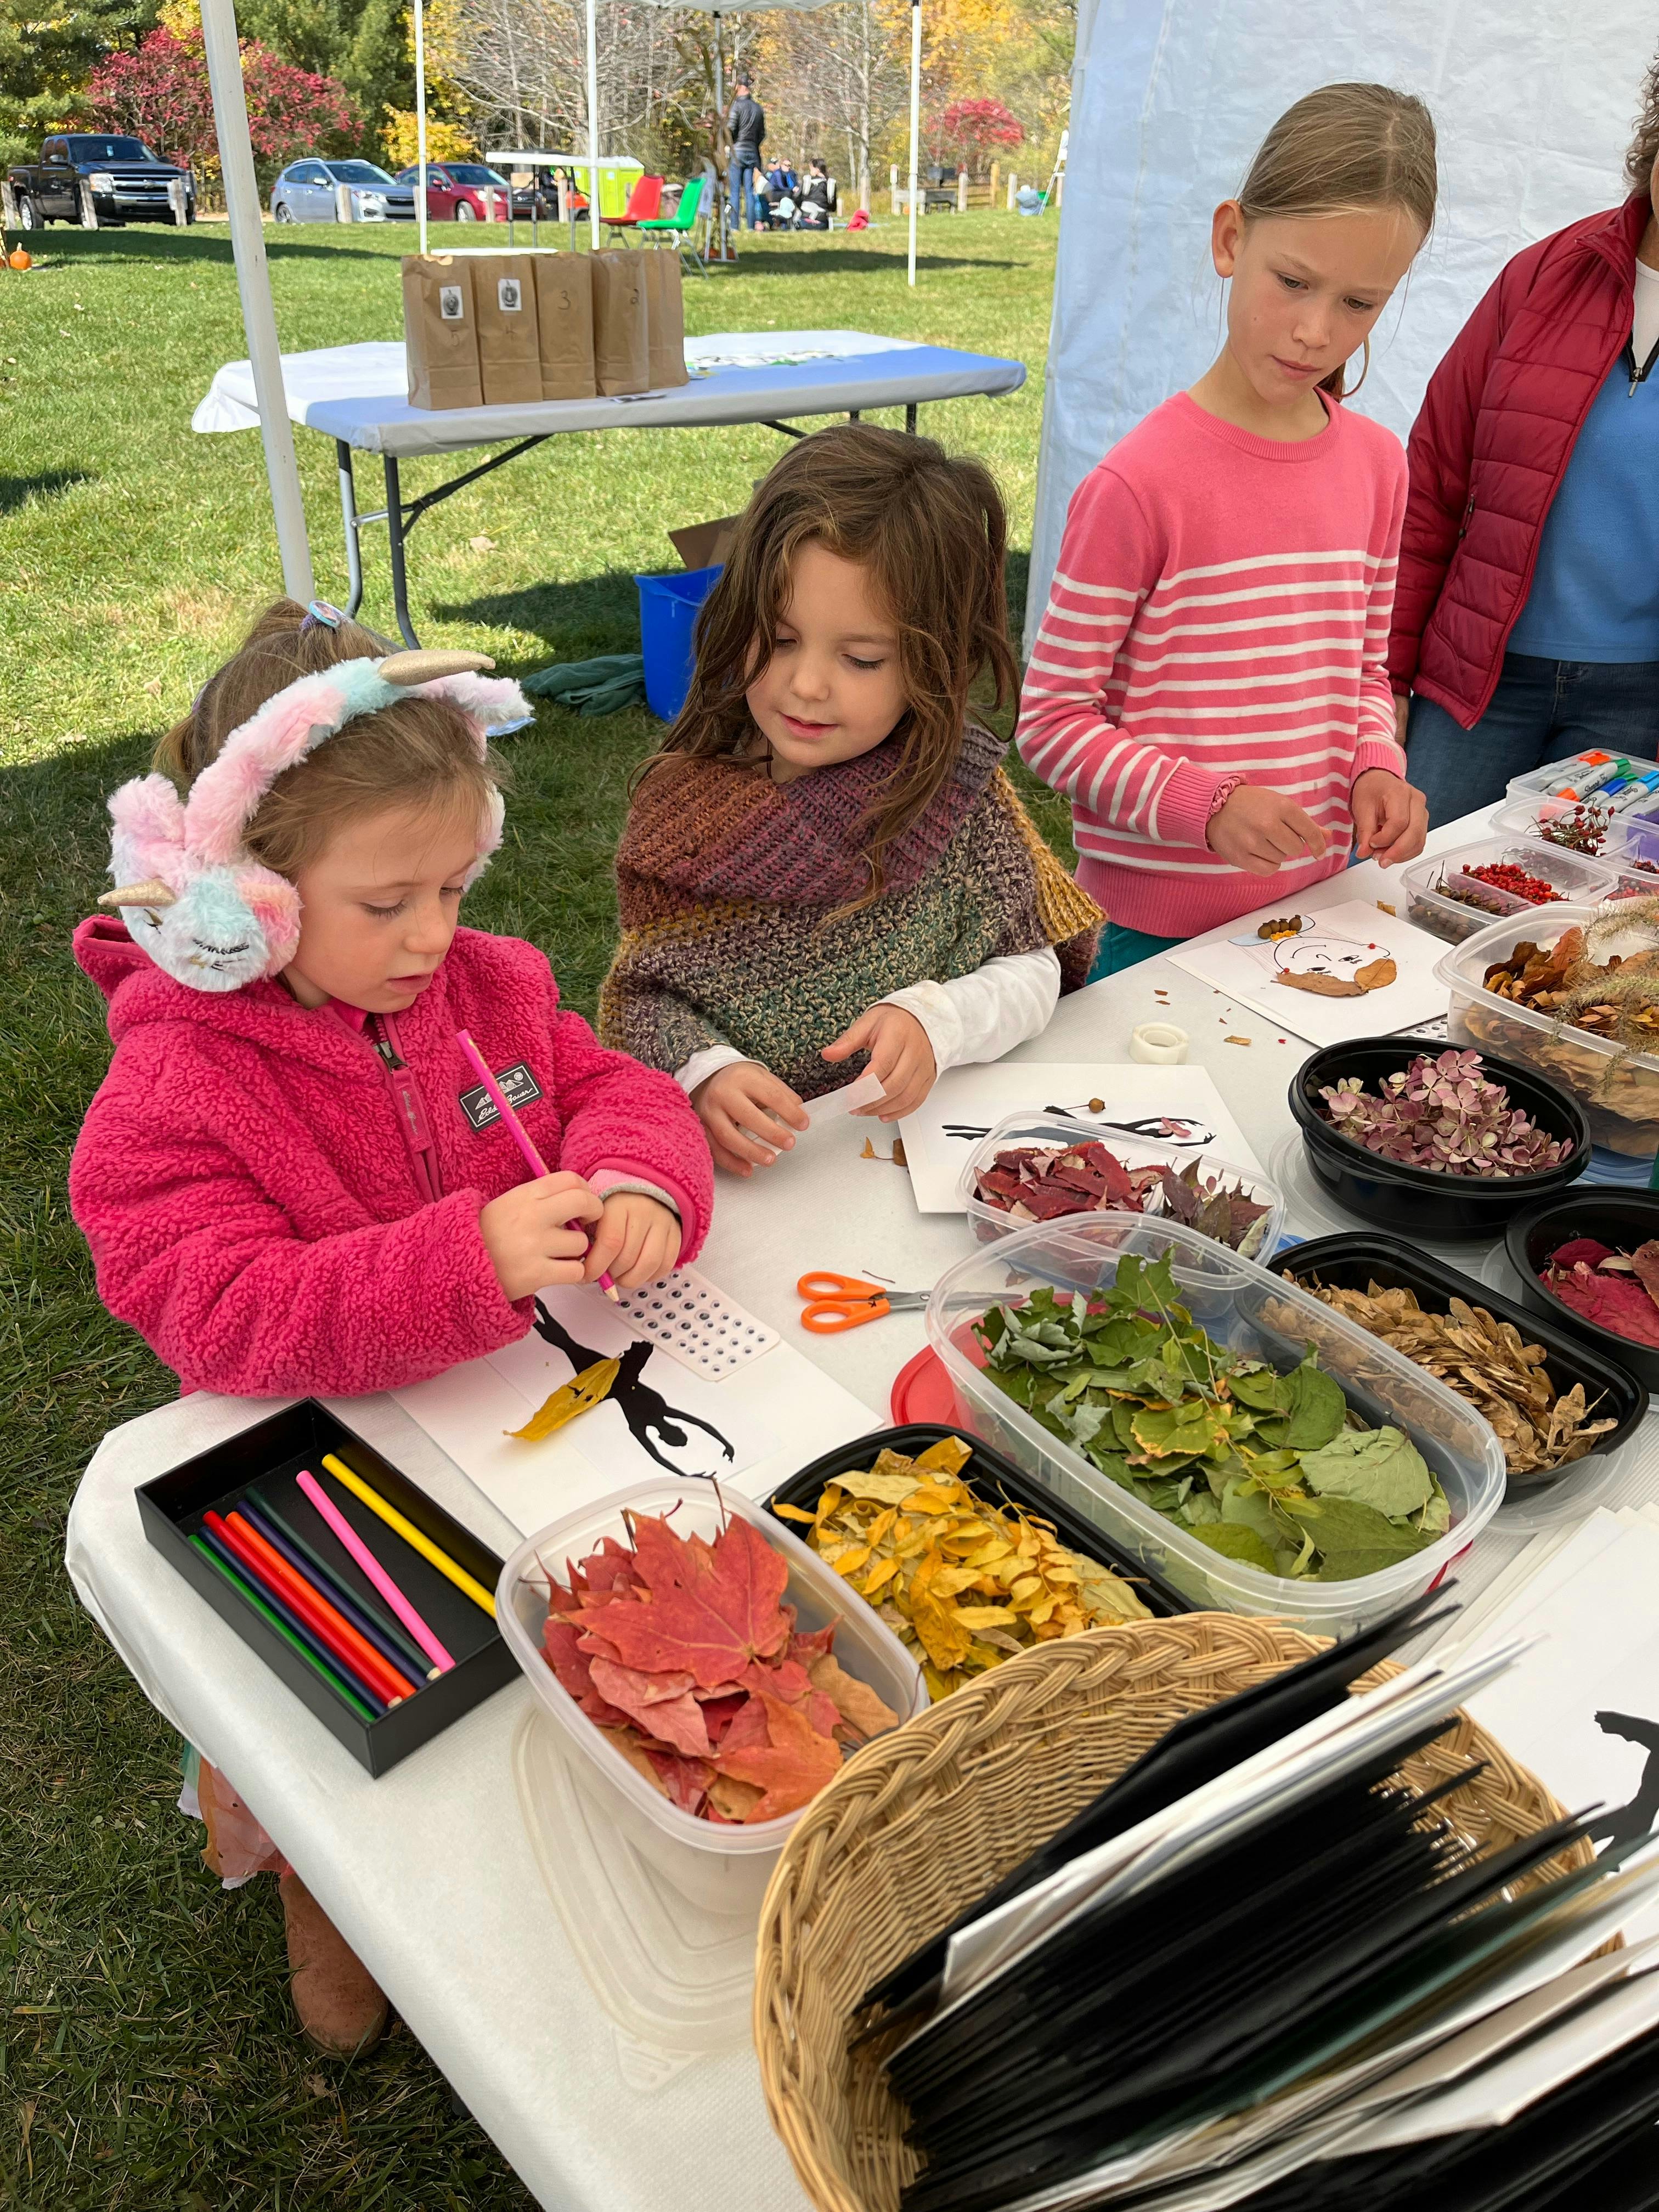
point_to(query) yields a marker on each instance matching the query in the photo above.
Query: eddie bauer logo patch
(519, 1086)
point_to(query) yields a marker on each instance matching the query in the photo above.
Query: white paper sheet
(1342, 941)
(966, 1104)
(775, 1415)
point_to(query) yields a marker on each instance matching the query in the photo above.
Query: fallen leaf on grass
(481, 545)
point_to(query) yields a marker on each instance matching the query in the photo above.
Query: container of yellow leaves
(966, 1557)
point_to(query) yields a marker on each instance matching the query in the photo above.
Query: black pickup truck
(127, 183)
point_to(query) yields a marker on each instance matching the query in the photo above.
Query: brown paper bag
(441, 331)
(622, 349)
(564, 313)
(664, 318)
(509, 357)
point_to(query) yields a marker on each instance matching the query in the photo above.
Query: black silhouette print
(1163, 1128)
(647, 1411)
(1629, 1823)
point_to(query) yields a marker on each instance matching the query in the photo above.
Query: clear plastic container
(1524, 819)
(1539, 781)
(1058, 1131)
(1635, 882)
(1570, 874)
(1254, 1312)
(1619, 1091)
(722, 1869)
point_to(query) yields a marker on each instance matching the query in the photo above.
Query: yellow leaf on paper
(581, 1395)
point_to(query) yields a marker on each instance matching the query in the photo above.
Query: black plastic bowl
(1423, 1202)
(1623, 1218)
(1356, 1262)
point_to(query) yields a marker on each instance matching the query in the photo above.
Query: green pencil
(282, 1628)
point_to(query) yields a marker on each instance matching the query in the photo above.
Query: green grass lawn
(150, 2057)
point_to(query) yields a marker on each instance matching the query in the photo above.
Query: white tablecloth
(428, 1871)
(357, 391)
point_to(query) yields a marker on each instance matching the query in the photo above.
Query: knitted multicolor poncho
(729, 886)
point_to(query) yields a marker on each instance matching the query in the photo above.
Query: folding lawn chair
(643, 203)
(679, 225)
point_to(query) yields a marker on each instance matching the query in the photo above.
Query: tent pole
(720, 119)
(594, 121)
(247, 240)
(915, 122)
(419, 112)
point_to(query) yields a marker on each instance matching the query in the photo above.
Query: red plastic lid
(922, 1392)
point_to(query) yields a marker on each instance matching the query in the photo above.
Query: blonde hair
(418, 754)
(1346, 150)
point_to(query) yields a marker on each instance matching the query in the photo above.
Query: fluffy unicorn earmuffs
(191, 894)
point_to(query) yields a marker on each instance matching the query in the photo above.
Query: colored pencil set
(372, 1653)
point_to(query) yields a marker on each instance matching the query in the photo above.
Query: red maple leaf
(791, 1767)
(706, 1610)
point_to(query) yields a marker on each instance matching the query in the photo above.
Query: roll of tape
(1160, 1042)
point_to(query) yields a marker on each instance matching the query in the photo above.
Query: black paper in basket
(1117, 2049)
(1591, 2146)
(1195, 1751)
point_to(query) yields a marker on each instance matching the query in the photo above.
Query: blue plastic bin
(668, 618)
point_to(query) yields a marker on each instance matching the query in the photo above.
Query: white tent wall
(1532, 99)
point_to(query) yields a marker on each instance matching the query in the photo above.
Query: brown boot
(339, 2003)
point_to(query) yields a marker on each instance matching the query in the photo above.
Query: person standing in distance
(746, 125)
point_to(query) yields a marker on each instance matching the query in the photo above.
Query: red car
(455, 193)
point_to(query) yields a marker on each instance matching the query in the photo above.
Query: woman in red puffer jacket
(1526, 618)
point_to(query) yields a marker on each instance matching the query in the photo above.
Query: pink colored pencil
(536, 1165)
(377, 1574)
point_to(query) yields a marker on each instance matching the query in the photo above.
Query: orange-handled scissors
(839, 1302)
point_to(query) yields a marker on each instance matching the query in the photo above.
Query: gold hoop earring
(1364, 372)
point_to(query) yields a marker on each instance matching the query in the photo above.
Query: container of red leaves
(708, 1672)
(1436, 1143)
(1590, 1262)
(1045, 1167)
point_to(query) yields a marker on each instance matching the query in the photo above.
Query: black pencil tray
(994, 1477)
(264, 1460)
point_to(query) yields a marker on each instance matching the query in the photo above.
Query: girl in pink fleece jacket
(290, 1179)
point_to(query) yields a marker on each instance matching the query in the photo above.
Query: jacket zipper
(1468, 517)
(410, 1107)
(1639, 375)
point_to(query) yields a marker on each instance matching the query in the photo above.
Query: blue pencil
(290, 1620)
(306, 1563)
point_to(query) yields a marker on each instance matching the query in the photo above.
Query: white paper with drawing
(1177, 1106)
(758, 1425)
(1350, 971)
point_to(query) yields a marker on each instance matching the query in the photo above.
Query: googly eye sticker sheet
(1348, 972)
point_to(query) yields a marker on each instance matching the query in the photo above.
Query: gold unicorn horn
(151, 892)
(427, 666)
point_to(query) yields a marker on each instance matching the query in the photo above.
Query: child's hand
(901, 1057)
(637, 1241)
(1390, 817)
(534, 1236)
(743, 1098)
(1258, 831)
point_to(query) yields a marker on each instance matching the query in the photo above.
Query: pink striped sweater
(1170, 660)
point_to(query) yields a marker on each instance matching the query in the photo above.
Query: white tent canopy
(1170, 99)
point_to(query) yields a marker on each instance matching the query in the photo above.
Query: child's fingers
(610, 1239)
(774, 1097)
(568, 1197)
(743, 1144)
(863, 1032)
(560, 1271)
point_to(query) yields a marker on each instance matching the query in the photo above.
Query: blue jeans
(743, 165)
(1121, 948)
(1541, 711)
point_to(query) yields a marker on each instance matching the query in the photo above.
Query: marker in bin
(516, 1129)
(1590, 772)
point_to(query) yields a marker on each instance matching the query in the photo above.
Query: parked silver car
(308, 192)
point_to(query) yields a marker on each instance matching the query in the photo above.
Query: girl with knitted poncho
(827, 866)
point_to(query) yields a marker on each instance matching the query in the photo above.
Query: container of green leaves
(1231, 1432)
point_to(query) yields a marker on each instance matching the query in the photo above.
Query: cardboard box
(622, 347)
(441, 331)
(706, 544)
(564, 314)
(509, 356)
(265, 1459)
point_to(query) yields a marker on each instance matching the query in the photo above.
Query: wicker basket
(929, 1818)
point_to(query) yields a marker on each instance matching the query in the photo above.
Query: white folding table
(428, 1871)
(354, 394)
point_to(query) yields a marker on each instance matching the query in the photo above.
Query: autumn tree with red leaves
(973, 132)
(160, 94)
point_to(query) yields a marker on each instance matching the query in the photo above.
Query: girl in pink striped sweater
(1209, 684)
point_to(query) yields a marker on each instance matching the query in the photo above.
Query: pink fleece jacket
(275, 1210)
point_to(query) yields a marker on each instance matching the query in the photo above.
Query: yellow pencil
(411, 1534)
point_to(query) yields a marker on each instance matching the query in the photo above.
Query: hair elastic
(191, 894)
(319, 611)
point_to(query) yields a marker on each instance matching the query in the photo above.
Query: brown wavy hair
(417, 752)
(1341, 150)
(931, 529)
(1644, 145)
